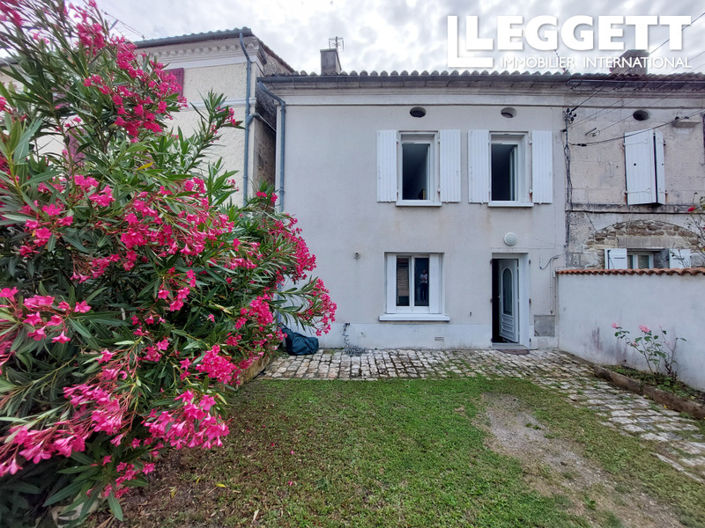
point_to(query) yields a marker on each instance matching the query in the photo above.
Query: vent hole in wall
(508, 112)
(640, 115)
(417, 111)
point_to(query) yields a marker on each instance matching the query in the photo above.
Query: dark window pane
(504, 172)
(507, 284)
(414, 167)
(421, 281)
(402, 281)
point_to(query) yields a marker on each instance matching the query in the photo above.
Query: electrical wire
(621, 100)
(686, 27)
(622, 136)
(125, 25)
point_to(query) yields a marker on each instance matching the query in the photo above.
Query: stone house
(637, 163)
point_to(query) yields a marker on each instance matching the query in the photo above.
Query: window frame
(522, 172)
(633, 256)
(434, 311)
(430, 138)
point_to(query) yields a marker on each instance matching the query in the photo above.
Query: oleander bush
(133, 294)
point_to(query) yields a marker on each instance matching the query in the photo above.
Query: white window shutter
(479, 165)
(616, 258)
(435, 284)
(640, 166)
(659, 167)
(391, 263)
(542, 166)
(678, 258)
(450, 165)
(387, 166)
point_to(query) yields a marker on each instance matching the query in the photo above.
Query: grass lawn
(398, 453)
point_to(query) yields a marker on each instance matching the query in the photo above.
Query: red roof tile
(653, 271)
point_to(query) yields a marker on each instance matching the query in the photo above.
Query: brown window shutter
(178, 74)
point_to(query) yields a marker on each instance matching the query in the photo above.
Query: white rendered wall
(331, 187)
(589, 304)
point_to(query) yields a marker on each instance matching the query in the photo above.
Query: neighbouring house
(637, 163)
(228, 62)
(440, 205)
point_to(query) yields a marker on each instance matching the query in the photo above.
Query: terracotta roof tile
(653, 271)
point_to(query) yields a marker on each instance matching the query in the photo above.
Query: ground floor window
(640, 259)
(414, 283)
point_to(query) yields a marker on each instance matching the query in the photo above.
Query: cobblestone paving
(678, 439)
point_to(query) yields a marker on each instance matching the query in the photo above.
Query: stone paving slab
(679, 442)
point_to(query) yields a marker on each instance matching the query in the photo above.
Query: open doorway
(505, 300)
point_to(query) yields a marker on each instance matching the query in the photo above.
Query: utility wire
(686, 27)
(622, 136)
(125, 25)
(611, 107)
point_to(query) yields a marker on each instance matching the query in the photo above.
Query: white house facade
(435, 203)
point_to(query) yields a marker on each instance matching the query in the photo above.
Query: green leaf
(115, 507)
(64, 493)
(80, 328)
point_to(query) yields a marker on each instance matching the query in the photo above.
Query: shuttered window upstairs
(510, 168)
(644, 162)
(418, 168)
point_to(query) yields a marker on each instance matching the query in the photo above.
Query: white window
(419, 167)
(640, 259)
(414, 287)
(644, 162)
(510, 168)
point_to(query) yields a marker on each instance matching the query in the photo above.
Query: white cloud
(379, 34)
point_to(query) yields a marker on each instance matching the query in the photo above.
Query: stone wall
(589, 237)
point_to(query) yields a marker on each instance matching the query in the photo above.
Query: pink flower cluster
(190, 425)
(217, 366)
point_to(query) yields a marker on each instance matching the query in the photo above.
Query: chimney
(330, 62)
(631, 62)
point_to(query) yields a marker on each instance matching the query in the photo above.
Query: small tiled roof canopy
(652, 271)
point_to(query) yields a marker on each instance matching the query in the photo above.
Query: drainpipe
(282, 141)
(248, 118)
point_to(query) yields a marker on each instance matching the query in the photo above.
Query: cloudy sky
(397, 34)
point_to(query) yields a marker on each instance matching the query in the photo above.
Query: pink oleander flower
(615, 325)
(61, 338)
(644, 329)
(81, 307)
(8, 293)
(53, 209)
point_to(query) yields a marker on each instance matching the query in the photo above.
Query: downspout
(248, 119)
(282, 141)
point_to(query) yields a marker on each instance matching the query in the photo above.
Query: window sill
(510, 204)
(418, 203)
(414, 317)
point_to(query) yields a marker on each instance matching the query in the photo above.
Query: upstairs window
(510, 168)
(508, 174)
(418, 168)
(644, 167)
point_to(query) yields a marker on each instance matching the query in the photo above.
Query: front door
(509, 299)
